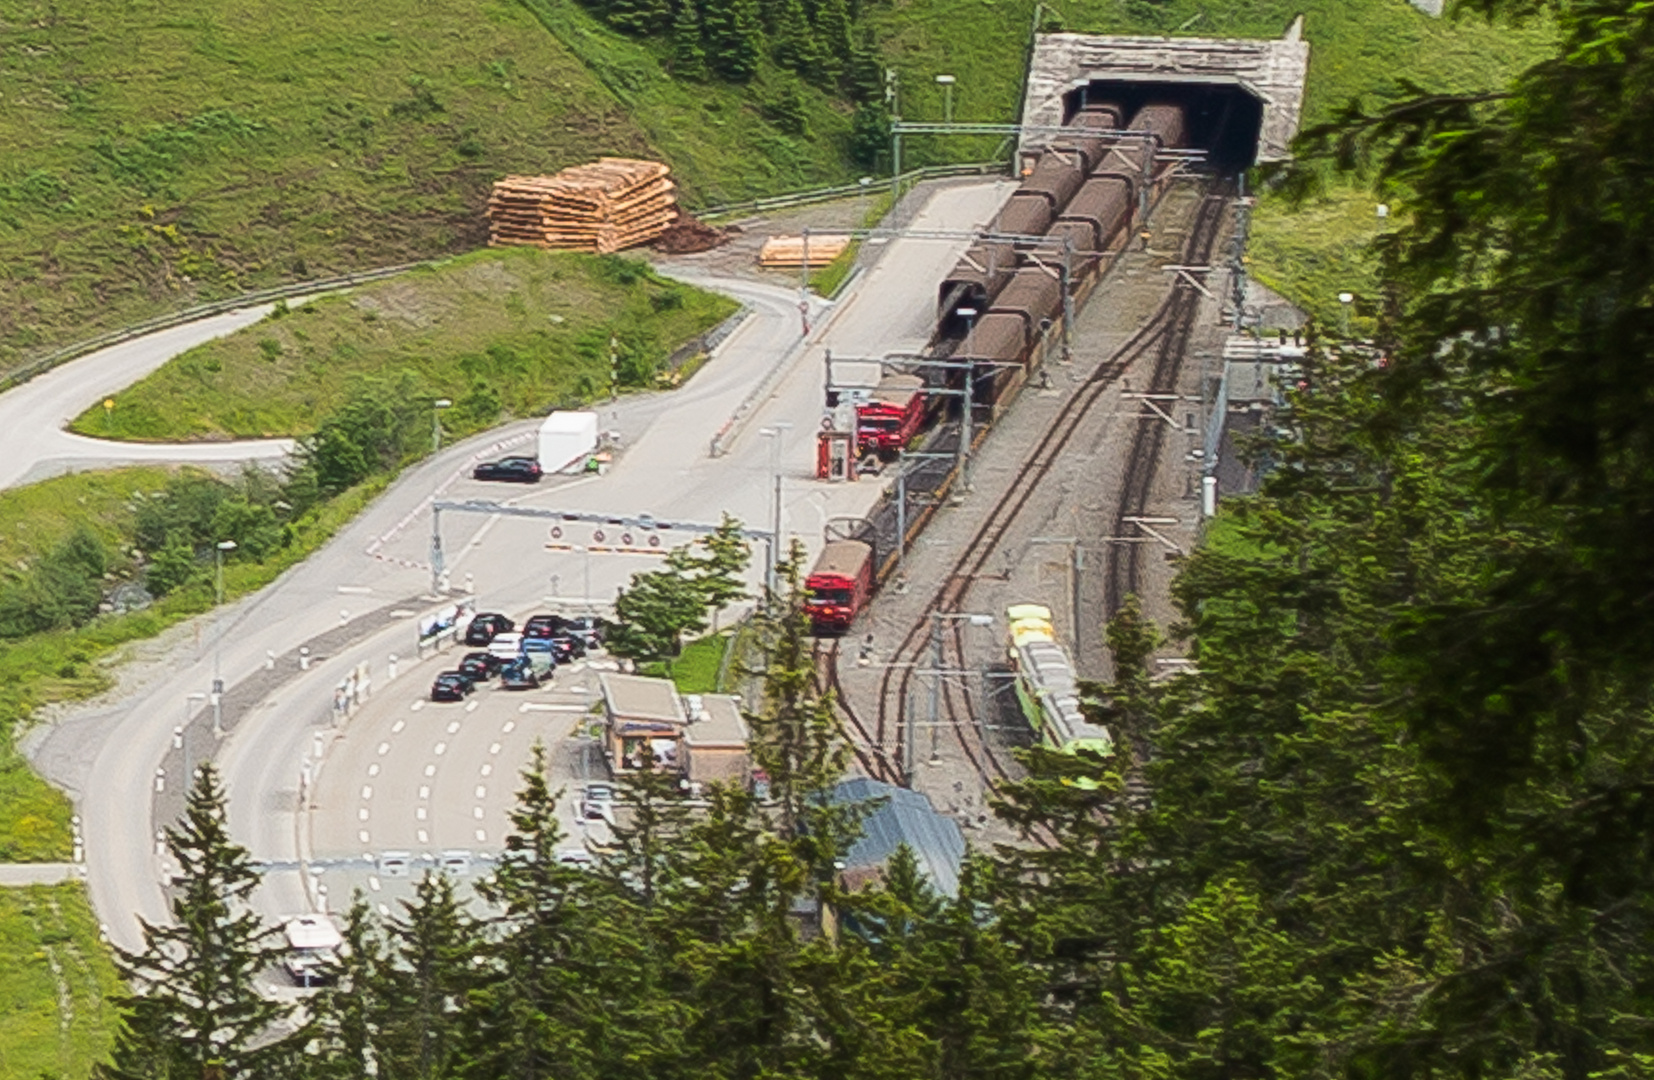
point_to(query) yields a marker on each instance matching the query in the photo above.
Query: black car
(479, 666)
(519, 674)
(573, 645)
(520, 470)
(483, 628)
(450, 686)
(542, 626)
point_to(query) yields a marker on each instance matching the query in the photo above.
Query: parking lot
(411, 784)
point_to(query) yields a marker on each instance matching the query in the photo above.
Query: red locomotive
(892, 416)
(838, 586)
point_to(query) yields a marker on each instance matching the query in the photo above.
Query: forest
(1398, 823)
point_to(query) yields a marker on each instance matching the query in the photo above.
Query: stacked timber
(788, 252)
(612, 204)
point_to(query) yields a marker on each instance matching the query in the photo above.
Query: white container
(567, 439)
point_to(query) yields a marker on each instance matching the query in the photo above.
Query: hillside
(161, 155)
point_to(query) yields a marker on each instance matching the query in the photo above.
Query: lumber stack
(787, 252)
(612, 204)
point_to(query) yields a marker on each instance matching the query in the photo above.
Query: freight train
(1081, 197)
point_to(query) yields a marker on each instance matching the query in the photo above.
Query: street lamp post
(436, 422)
(218, 639)
(1345, 299)
(774, 433)
(946, 83)
(968, 406)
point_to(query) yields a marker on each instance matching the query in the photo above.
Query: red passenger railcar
(892, 416)
(839, 586)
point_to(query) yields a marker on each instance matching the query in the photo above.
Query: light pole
(968, 407)
(774, 433)
(436, 422)
(181, 737)
(864, 182)
(936, 619)
(946, 83)
(1345, 299)
(218, 640)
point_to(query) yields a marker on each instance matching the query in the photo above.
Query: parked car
(506, 646)
(540, 626)
(520, 470)
(586, 627)
(483, 628)
(597, 803)
(566, 649)
(479, 666)
(519, 674)
(450, 686)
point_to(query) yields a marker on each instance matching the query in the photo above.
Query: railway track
(869, 754)
(1166, 332)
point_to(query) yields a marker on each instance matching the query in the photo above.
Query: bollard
(391, 673)
(160, 842)
(344, 616)
(304, 659)
(80, 854)
(177, 738)
(160, 779)
(269, 660)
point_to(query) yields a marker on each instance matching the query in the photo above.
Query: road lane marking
(367, 791)
(373, 882)
(482, 791)
(396, 728)
(487, 769)
(362, 835)
(416, 706)
(419, 813)
(362, 814)
(510, 726)
(548, 706)
(482, 836)
(471, 706)
(373, 769)
(385, 911)
(476, 812)
(424, 791)
(384, 748)
(424, 837)
(494, 749)
(453, 727)
(430, 770)
(439, 749)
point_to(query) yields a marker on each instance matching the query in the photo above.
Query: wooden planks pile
(612, 204)
(787, 252)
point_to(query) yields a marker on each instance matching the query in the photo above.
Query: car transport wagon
(839, 586)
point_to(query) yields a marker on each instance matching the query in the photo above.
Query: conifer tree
(533, 1008)
(350, 1011)
(734, 37)
(431, 971)
(688, 47)
(834, 39)
(794, 37)
(195, 1011)
(640, 17)
(865, 71)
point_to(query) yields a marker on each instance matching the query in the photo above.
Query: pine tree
(688, 47)
(833, 37)
(350, 1011)
(196, 1012)
(640, 17)
(794, 37)
(535, 1006)
(734, 37)
(654, 613)
(869, 133)
(865, 72)
(432, 968)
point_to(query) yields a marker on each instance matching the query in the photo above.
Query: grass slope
(520, 328)
(53, 1022)
(165, 153)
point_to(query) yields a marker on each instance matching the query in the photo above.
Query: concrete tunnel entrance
(1224, 119)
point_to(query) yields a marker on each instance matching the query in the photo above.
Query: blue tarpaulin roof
(905, 817)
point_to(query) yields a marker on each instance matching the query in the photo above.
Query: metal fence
(41, 365)
(844, 191)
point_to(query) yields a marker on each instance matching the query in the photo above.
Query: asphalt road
(35, 446)
(371, 576)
